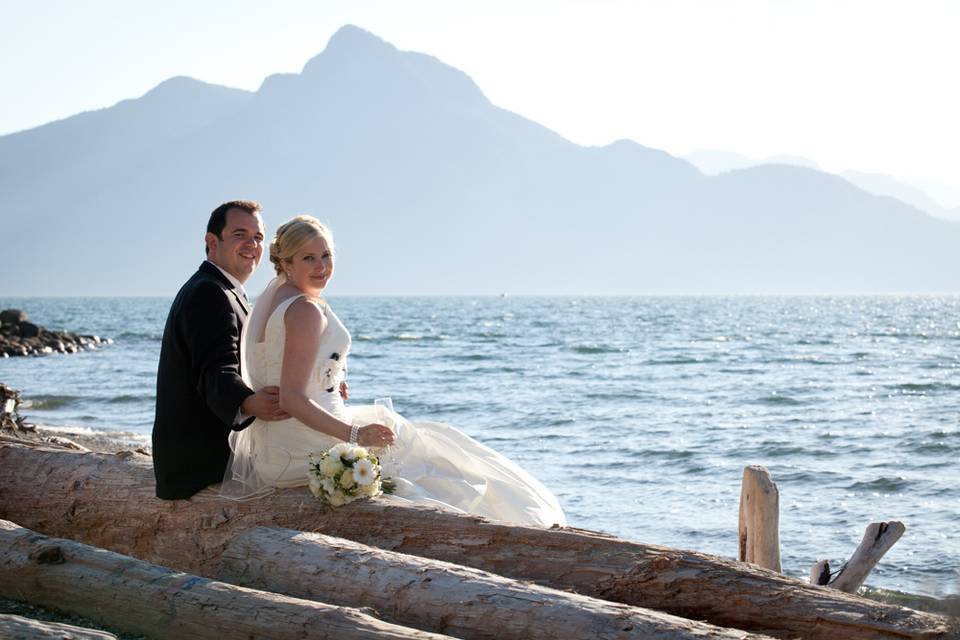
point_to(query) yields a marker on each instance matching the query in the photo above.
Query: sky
(866, 85)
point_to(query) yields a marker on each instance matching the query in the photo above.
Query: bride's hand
(375, 435)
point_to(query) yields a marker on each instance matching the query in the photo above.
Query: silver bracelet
(354, 434)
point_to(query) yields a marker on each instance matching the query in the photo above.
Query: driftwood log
(108, 501)
(877, 540)
(759, 519)
(28, 629)
(438, 596)
(139, 597)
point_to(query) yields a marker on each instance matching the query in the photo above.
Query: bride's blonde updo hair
(292, 235)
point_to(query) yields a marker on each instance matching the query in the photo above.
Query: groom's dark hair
(218, 218)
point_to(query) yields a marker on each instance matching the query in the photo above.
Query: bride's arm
(305, 323)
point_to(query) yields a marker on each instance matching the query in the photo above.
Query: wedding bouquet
(344, 473)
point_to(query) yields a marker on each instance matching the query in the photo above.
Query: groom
(200, 394)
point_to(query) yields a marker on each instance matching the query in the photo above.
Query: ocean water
(639, 412)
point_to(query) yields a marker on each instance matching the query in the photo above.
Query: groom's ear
(210, 242)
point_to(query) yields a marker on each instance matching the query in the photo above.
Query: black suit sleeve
(211, 329)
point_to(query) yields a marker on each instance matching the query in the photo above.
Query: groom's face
(239, 247)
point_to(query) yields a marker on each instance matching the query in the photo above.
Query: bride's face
(311, 267)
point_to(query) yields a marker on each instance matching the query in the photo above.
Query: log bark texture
(139, 597)
(759, 519)
(108, 501)
(877, 540)
(439, 596)
(28, 629)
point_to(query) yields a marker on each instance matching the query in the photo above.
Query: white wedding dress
(431, 462)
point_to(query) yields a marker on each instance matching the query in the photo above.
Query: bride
(294, 340)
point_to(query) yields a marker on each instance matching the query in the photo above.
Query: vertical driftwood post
(759, 519)
(820, 572)
(877, 540)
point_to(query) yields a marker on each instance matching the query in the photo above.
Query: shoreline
(99, 441)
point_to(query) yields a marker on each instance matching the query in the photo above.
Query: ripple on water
(883, 484)
(46, 402)
(592, 349)
(679, 360)
(923, 388)
(131, 399)
(929, 446)
(778, 400)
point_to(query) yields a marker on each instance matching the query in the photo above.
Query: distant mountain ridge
(430, 188)
(712, 162)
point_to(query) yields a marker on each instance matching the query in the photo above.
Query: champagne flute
(385, 414)
(386, 403)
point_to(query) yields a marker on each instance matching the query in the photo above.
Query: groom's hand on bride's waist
(264, 404)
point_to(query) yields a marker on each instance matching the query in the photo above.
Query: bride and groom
(256, 392)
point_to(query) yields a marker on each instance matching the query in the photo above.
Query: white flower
(328, 486)
(316, 484)
(346, 480)
(339, 449)
(354, 453)
(370, 490)
(338, 498)
(364, 472)
(331, 465)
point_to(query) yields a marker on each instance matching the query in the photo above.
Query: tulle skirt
(430, 462)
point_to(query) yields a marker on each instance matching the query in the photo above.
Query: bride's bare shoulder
(305, 315)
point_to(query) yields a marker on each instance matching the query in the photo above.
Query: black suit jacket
(199, 389)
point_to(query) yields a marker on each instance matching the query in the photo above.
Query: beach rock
(12, 316)
(20, 337)
(30, 330)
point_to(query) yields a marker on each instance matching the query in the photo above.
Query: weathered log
(139, 597)
(108, 501)
(759, 519)
(438, 596)
(877, 540)
(28, 629)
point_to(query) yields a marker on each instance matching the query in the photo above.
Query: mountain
(885, 185)
(714, 161)
(430, 188)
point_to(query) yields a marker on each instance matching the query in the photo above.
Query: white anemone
(364, 472)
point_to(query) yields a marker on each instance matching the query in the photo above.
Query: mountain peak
(352, 38)
(176, 84)
(357, 63)
(351, 43)
(184, 88)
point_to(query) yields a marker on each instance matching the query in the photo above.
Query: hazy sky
(868, 85)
